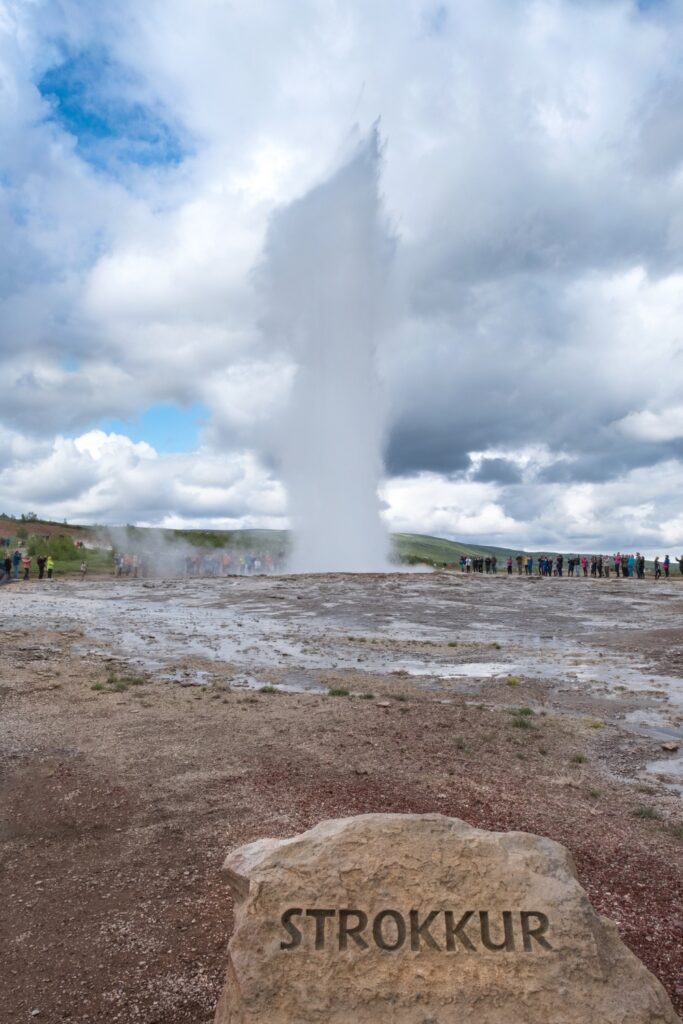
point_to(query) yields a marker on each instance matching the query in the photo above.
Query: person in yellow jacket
(50, 565)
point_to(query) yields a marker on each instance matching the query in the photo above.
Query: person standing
(50, 564)
(16, 562)
(26, 565)
(679, 559)
(667, 563)
(41, 566)
(658, 568)
(8, 567)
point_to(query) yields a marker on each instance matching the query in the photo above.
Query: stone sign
(390, 918)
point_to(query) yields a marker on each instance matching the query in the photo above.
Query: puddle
(670, 771)
(469, 670)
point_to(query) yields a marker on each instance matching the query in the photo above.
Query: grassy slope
(410, 547)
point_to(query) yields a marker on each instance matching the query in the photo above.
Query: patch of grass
(452, 643)
(594, 723)
(496, 646)
(337, 691)
(512, 681)
(594, 794)
(521, 718)
(676, 831)
(367, 696)
(119, 684)
(97, 686)
(648, 813)
(268, 689)
(579, 759)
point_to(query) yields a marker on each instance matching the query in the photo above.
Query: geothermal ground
(147, 727)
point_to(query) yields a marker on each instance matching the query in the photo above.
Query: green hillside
(60, 539)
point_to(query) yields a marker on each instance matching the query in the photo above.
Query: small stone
(670, 745)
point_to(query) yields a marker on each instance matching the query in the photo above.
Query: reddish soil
(117, 808)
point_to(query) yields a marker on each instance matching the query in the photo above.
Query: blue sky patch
(167, 427)
(94, 99)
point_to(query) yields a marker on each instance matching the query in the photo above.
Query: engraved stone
(422, 919)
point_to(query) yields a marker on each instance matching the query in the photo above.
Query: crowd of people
(21, 561)
(597, 566)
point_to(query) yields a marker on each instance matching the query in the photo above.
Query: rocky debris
(387, 918)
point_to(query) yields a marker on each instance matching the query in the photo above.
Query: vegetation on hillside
(58, 539)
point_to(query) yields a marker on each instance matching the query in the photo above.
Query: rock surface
(424, 920)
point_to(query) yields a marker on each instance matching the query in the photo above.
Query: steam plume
(326, 273)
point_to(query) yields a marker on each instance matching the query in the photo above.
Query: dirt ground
(147, 727)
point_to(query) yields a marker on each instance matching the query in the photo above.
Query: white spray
(326, 272)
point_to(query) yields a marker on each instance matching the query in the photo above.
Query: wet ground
(613, 649)
(148, 726)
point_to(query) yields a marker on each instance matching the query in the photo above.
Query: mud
(119, 802)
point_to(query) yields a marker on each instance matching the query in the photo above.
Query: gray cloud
(533, 172)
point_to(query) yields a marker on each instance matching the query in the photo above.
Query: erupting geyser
(326, 271)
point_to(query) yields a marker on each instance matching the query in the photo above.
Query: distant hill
(412, 548)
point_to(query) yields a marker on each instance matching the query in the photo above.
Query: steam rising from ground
(326, 275)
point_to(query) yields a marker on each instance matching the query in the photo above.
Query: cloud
(100, 477)
(651, 425)
(534, 175)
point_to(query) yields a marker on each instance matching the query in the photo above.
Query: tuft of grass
(452, 643)
(97, 686)
(496, 646)
(594, 794)
(594, 723)
(268, 689)
(367, 696)
(648, 813)
(512, 681)
(119, 685)
(579, 759)
(677, 830)
(522, 723)
(523, 712)
(337, 691)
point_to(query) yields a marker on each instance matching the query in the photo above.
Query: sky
(532, 174)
